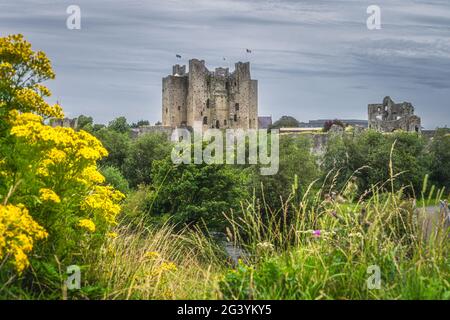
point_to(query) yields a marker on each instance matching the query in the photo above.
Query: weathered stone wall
(217, 99)
(174, 94)
(136, 132)
(390, 116)
(65, 123)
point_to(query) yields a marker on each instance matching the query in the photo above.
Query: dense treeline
(192, 194)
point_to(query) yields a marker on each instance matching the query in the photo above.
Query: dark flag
(248, 50)
(178, 56)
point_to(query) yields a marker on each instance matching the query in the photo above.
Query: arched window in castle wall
(236, 107)
(235, 117)
(205, 120)
(207, 103)
(217, 124)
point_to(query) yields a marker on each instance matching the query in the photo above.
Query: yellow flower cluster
(103, 201)
(160, 265)
(18, 231)
(49, 195)
(6, 70)
(59, 157)
(168, 267)
(152, 255)
(81, 144)
(18, 51)
(87, 224)
(92, 174)
(28, 99)
(112, 235)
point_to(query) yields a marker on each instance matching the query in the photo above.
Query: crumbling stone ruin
(390, 116)
(217, 99)
(65, 123)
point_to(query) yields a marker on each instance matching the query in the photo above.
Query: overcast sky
(313, 58)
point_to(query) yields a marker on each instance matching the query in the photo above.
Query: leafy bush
(285, 122)
(328, 124)
(193, 194)
(440, 153)
(50, 186)
(368, 157)
(296, 165)
(117, 144)
(140, 156)
(114, 177)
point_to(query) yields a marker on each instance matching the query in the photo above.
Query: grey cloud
(313, 58)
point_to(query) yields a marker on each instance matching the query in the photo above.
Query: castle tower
(174, 98)
(218, 99)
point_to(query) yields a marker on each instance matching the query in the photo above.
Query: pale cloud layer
(313, 58)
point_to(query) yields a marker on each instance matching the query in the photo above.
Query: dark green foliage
(120, 125)
(85, 123)
(369, 154)
(296, 159)
(193, 194)
(440, 154)
(328, 124)
(285, 122)
(140, 156)
(117, 144)
(114, 177)
(140, 123)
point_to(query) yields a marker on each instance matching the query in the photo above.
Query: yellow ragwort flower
(18, 231)
(87, 224)
(152, 255)
(49, 195)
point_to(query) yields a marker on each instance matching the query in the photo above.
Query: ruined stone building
(390, 116)
(65, 123)
(218, 99)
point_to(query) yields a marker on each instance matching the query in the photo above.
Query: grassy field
(312, 249)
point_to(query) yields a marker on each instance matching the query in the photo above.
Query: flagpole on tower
(247, 51)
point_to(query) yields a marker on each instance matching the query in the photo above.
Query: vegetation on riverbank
(140, 227)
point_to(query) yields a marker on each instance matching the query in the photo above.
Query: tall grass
(143, 262)
(313, 246)
(286, 257)
(316, 249)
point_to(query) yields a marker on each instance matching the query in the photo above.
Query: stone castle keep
(218, 99)
(390, 116)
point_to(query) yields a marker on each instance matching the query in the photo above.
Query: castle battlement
(219, 99)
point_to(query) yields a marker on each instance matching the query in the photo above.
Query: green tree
(368, 156)
(85, 123)
(440, 155)
(140, 123)
(120, 125)
(114, 177)
(117, 144)
(285, 122)
(141, 154)
(191, 194)
(296, 159)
